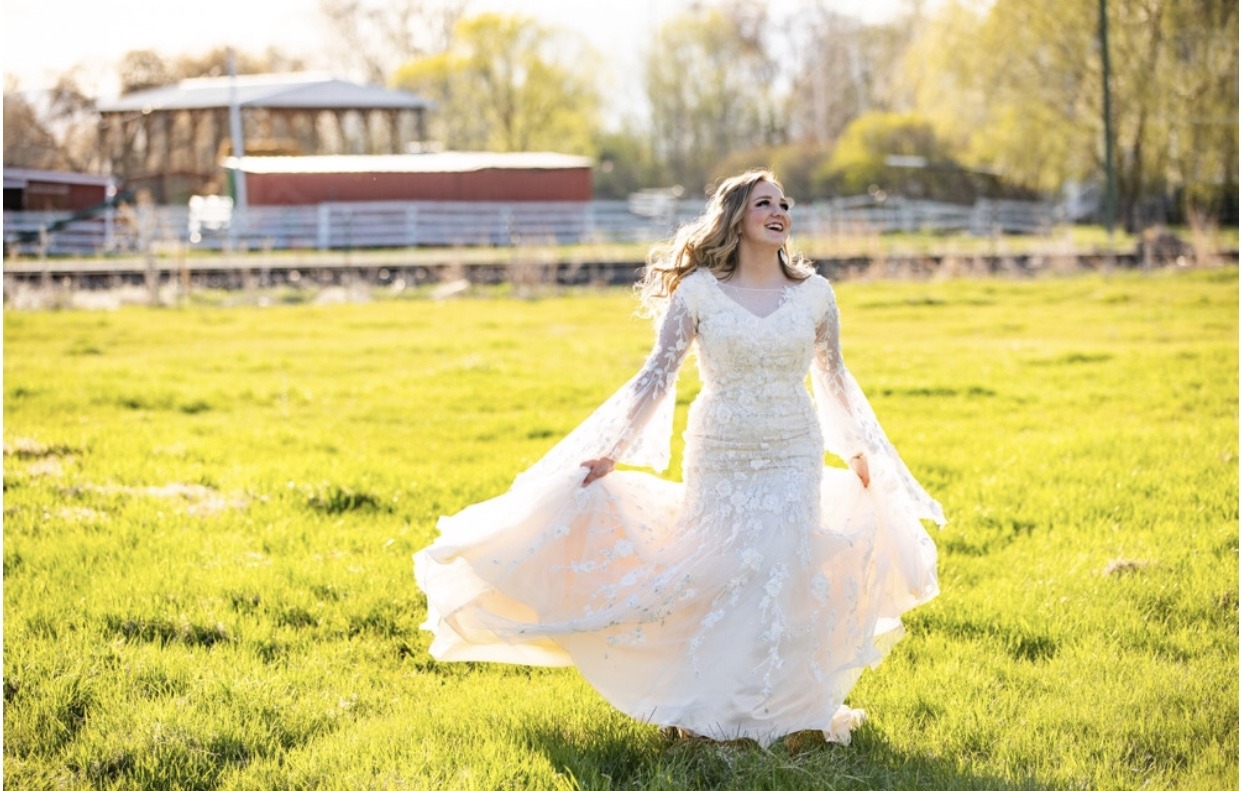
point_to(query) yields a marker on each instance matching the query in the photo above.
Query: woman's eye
(784, 206)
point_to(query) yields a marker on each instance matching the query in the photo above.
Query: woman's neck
(758, 267)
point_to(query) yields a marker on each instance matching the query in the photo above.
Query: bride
(746, 601)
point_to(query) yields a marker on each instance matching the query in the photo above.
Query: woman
(745, 602)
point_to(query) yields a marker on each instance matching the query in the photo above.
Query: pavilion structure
(169, 141)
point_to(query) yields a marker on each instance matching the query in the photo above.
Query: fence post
(506, 219)
(323, 226)
(45, 275)
(976, 217)
(411, 224)
(592, 223)
(109, 221)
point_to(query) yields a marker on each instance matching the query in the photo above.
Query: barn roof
(300, 91)
(437, 162)
(18, 178)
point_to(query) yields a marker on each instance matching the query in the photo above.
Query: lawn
(209, 515)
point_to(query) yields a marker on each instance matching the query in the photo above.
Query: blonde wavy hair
(710, 242)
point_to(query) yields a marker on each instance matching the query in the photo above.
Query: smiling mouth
(775, 226)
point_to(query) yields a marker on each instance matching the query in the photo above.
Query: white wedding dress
(746, 601)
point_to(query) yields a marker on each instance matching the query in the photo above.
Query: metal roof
(301, 91)
(438, 162)
(18, 178)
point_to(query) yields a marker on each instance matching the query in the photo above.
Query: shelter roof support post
(340, 144)
(148, 152)
(394, 131)
(370, 143)
(303, 131)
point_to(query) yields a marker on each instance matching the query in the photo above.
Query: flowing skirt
(744, 603)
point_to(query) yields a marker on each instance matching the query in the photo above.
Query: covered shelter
(441, 176)
(169, 140)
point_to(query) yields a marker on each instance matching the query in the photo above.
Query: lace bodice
(755, 349)
(751, 354)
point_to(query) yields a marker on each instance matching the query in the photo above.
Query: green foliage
(870, 155)
(1017, 85)
(222, 598)
(508, 83)
(625, 164)
(795, 164)
(840, 67)
(706, 76)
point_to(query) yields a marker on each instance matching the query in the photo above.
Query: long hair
(710, 242)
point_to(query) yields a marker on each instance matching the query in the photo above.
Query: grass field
(209, 515)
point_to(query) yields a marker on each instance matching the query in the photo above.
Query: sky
(45, 38)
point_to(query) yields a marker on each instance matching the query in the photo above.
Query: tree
(827, 88)
(625, 164)
(1201, 106)
(28, 143)
(145, 68)
(508, 83)
(898, 153)
(708, 80)
(141, 69)
(795, 164)
(1019, 83)
(71, 115)
(215, 63)
(941, 68)
(375, 37)
(839, 67)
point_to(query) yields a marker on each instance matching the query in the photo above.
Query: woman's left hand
(596, 469)
(859, 465)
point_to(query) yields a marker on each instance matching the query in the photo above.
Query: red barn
(443, 176)
(54, 190)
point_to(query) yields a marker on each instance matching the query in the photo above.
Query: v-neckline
(787, 293)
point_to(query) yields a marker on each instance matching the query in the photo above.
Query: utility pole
(239, 149)
(1110, 174)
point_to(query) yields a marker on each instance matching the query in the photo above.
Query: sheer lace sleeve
(850, 426)
(830, 381)
(635, 425)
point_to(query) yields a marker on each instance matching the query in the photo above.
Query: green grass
(209, 517)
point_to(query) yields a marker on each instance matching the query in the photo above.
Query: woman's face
(766, 219)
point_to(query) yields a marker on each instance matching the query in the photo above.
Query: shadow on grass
(623, 757)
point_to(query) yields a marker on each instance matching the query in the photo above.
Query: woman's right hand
(596, 469)
(860, 467)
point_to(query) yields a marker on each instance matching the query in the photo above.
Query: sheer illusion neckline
(723, 284)
(782, 296)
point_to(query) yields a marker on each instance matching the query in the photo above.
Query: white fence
(432, 223)
(843, 216)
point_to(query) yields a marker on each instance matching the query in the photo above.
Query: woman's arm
(852, 430)
(842, 433)
(635, 424)
(650, 391)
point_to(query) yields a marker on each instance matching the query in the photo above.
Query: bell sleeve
(635, 425)
(850, 426)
